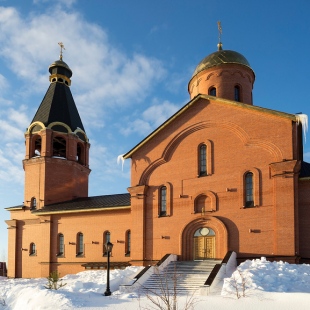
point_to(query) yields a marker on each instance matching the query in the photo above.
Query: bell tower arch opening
(59, 147)
(36, 146)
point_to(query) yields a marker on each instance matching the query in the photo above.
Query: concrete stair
(185, 277)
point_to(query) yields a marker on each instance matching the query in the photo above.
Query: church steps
(186, 277)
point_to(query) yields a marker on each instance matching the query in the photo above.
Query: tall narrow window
(106, 239)
(32, 250)
(80, 245)
(237, 93)
(127, 243)
(163, 201)
(80, 153)
(33, 203)
(212, 91)
(249, 201)
(61, 245)
(203, 160)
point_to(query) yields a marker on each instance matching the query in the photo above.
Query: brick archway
(187, 237)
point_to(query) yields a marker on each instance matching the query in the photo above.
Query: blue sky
(131, 63)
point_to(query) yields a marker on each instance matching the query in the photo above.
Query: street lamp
(109, 247)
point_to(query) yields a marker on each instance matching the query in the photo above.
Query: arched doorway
(205, 229)
(204, 243)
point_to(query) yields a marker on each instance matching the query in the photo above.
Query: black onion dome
(60, 67)
(58, 104)
(221, 57)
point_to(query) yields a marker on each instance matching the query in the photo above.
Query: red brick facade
(171, 199)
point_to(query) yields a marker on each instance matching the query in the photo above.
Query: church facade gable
(238, 188)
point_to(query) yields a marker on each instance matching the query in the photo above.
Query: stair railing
(219, 272)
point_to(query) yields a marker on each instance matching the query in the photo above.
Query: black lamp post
(108, 247)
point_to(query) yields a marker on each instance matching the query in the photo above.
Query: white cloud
(10, 131)
(19, 117)
(3, 83)
(139, 126)
(13, 123)
(157, 114)
(15, 153)
(67, 3)
(8, 169)
(5, 102)
(151, 118)
(102, 75)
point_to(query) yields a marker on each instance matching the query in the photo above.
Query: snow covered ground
(267, 286)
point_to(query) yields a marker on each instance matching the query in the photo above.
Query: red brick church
(220, 174)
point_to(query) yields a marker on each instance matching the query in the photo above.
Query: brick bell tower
(57, 150)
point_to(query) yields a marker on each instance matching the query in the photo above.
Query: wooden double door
(204, 247)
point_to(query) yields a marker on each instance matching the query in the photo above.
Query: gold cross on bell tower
(61, 48)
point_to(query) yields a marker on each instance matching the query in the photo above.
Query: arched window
(37, 146)
(60, 245)
(202, 160)
(163, 201)
(237, 93)
(106, 239)
(59, 147)
(127, 243)
(32, 249)
(212, 91)
(33, 203)
(80, 244)
(80, 154)
(249, 200)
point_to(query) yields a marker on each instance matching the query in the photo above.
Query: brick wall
(242, 140)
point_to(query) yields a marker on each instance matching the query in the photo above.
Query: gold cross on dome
(219, 26)
(61, 48)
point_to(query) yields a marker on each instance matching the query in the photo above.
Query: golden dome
(221, 57)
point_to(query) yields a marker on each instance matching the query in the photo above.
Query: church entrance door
(204, 244)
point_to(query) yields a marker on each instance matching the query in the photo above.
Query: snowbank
(262, 275)
(269, 285)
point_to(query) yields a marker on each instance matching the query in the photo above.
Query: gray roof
(96, 202)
